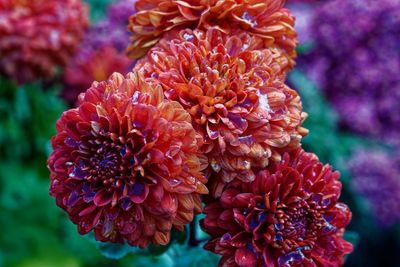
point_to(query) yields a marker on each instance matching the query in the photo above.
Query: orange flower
(126, 163)
(236, 97)
(266, 19)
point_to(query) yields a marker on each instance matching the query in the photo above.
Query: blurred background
(348, 74)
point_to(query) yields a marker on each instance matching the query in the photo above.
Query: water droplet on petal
(192, 179)
(135, 97)
(215, 166)
(263, 101)
(188, 37)
(246, 164)
(175, 182)
(249, 19)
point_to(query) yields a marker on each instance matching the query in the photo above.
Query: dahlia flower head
(376, 177)
(101, 53)
(38, 36)
(266, 19)
(126, 163)
(367, 100)
(288, 216)
(235, 95)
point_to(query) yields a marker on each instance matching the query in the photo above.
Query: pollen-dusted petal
(236, 97)
(38, 36)
(122, 166)
(277, 221)
(266, 19)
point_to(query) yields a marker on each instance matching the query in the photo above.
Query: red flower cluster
(235, 95)
(207, 100)
(36, 36)
(288, 216)
(126, 163)
(266, 19)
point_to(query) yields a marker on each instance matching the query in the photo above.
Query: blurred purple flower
(376, 176)
(113, 29)
(303, 13)
(357, 62)
(101, 53)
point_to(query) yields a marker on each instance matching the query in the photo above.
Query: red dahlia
(288, 216)
(36, 36)
(126, 163)
(236, 97)
(266, 19)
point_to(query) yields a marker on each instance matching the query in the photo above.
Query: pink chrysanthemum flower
(266, 19)
(235, 95)
(288, 216)
(126, 163)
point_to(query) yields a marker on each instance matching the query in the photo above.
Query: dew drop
(249, 19)
(135, 97)
(215, 166)
(192, 179)
(263, 101)
(175, 182)
(188, 37)
(213, 134)
(246, 164)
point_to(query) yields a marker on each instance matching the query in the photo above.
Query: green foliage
(27, 116)
(34, 229)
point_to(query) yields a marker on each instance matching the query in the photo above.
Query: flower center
(106, 162)
(288, 227)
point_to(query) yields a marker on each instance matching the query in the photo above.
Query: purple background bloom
(376, 176)
(356, 61)
(113, 29)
